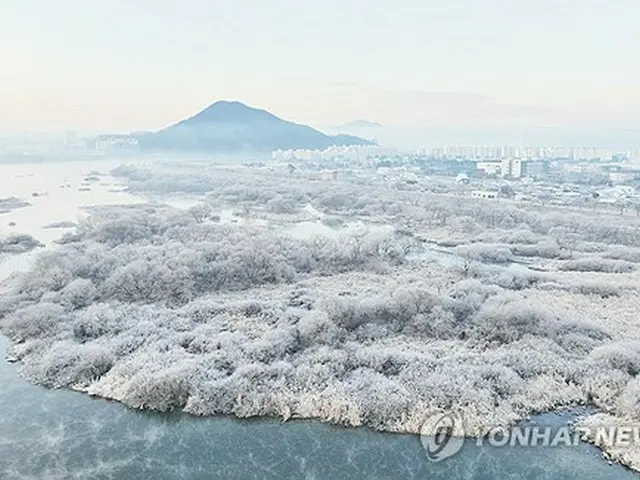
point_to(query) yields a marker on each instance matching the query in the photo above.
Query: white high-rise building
(512, 167)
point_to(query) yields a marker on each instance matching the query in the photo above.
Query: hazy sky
(139, 64)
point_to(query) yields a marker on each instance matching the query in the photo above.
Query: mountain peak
(230, 111)
(230, 105)
(229, 102)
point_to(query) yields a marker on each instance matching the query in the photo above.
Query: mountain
(226, 127)
(357, 124)
(357, 129)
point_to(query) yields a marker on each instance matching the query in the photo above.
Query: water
(59, 199)
(64, 434)
(59, 196)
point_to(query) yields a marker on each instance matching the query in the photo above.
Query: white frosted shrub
(163, 390)
(35, 321)
(78, 294)
(623, 253)
(602, 385)
(485, 253)
(506, 320)
(382, 400)
(69, 364)
(602, 288)
(95, 321)
(594, 264)
(628, 404)
(316, 328)
(623, 356)
(438, 323)
(517, 279)
(525, 237)
(531, 357)
(542, 249)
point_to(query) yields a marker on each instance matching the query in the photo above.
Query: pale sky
(125, 65)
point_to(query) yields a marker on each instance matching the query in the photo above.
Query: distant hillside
(234, 127)
(358, 129)
(357, 124)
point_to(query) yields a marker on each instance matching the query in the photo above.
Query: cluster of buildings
(68, 143)
(514, 168)
(117, 143)
(561, 170)
(614, 173)
(489, 152)
(353, 153)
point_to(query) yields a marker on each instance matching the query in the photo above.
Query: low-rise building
(490, 168)
(484, 194)
(117, 143)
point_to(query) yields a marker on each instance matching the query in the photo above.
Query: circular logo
(442, 436)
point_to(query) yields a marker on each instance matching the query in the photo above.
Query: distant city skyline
(122, 66)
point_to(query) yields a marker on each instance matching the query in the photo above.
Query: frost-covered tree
(201, 212)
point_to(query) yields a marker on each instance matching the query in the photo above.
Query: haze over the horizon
(126, 66)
